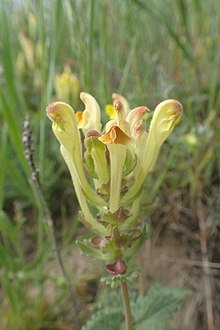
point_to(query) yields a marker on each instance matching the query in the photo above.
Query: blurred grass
(147, 51)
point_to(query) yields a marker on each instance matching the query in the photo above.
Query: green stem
(91, 44)
(127, 307)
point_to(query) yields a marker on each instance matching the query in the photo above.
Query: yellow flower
(67, 86)
(115, 135)
(108, 172)
(119, 159)
(65, 129)
(165, 117)
(89, 118)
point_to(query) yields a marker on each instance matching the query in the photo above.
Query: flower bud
(119, 267)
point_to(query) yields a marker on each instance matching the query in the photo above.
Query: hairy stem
(127, 307)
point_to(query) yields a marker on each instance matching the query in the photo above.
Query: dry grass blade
(205, 264)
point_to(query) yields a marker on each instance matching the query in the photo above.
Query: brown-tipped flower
(136, 122)
(115, 136)
(119, 110)
(165, 117)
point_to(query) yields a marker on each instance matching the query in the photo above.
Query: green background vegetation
(147, 51)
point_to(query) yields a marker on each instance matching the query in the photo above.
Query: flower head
(67, 86)
(117, 157)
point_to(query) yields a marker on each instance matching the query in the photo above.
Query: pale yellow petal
(91, 116)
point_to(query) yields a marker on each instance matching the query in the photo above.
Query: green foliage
(23, 280)
(157, 307)
(149, 312)
(107, 319)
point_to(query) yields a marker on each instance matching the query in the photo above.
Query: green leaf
(93, 252)
(107, 319)
(157, 307)
(149, 312)
(3, 162)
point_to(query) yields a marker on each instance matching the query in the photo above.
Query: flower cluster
(67, 86)
(109, 171)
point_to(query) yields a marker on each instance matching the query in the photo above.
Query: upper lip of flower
(91, 116)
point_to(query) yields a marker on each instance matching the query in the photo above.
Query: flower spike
(110, 171)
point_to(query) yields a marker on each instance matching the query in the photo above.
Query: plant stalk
(127, 307)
